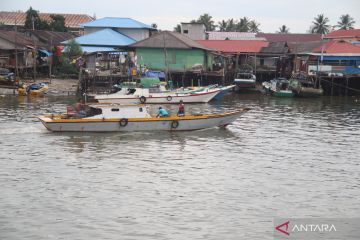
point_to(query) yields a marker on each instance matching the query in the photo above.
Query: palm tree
(222, 26)
(254, 26)
(346, 22)
(231, 25)
(177, 28)
(243, 25)
(320, 24)
(283, 29)
(206, 19)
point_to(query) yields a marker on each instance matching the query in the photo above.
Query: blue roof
(116, 22)
(97, 49)
(105, 37)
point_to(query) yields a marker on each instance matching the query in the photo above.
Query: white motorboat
(115, 118)
(149, 95)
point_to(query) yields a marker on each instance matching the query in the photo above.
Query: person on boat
(162, 113)
(181, 111)
(80, 107)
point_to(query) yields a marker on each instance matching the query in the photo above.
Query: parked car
(6, 77)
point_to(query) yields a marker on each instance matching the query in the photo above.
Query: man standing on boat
(181, 111)
(162, 113)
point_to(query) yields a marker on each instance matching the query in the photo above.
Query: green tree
(222, 26)
(283, 29)
(320, 24)
(206, 19)
(177, 28)
(254, 26)
(346, 22)
(65, 61)
(73, 49)
(243, 25)
(58, 23)
(154, 25)
(33, 21)
(231, 25)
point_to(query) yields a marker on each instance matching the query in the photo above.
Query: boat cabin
(116, 111)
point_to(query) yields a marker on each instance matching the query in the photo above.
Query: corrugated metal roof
(116, 22)
(232, 36)
(234, 46)
(275, 48)
(71, 20)
(355, 33)
(290, 37)
(169, 40)
(304, 47)
(20, 39)
(50, 37)
(338, 47)
(105, 37)
(87, 49)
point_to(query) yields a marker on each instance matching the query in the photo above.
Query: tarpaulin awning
(47, 53)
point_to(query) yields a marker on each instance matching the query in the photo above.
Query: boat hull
(281, 93)
(171, 98)
(185, 123)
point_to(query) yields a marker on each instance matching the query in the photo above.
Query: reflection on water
(286, 157)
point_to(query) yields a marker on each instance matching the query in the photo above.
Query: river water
(284, 158)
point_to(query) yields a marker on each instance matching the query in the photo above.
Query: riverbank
(62, 87)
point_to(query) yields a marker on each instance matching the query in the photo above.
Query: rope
(336, 84)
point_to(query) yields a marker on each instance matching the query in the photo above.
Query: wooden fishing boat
(115, 118)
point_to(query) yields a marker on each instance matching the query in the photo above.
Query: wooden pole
(223, 75)
(165, 58)
(16, 52)
(347, 86)
(332, 85)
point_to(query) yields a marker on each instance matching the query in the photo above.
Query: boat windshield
(92, 111)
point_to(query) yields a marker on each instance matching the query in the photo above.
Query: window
(262, 61)
(140, 109)
(186, 31)
(114, 109)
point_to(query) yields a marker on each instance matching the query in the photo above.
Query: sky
(271, 14)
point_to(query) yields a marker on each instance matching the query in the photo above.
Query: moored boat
(148, 95)
(34, 89)
(303, 87)
(278, 88)
(115, 118)
(245, 81)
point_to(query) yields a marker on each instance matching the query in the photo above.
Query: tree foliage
(177, 28)
(33, 21)
(243, 25)
(346, 22)
(284, 29)
(206, 19)
(320, 24)
(254, 26)
(72, 49)
(66, 62)
(58, 23)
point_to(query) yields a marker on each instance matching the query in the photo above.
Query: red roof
(71, 20)
(234, 46)
(338, 47)
(352, 33)
(290, 37)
